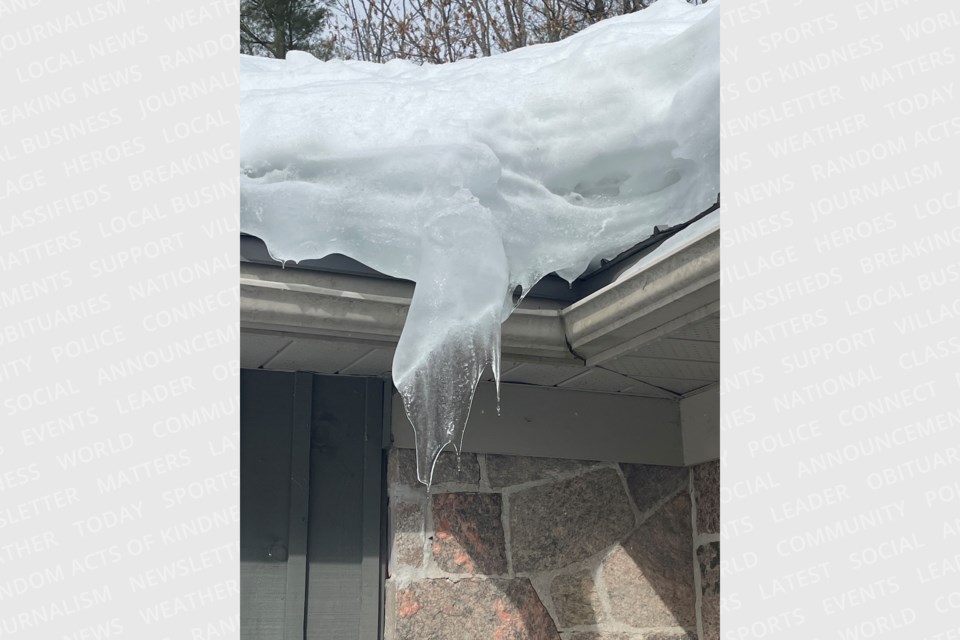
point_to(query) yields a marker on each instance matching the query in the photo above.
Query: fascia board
(562, 423)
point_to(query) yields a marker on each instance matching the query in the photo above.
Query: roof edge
(682, 286)
(681, 283)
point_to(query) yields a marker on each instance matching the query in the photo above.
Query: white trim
(561, 423)
(700, 424)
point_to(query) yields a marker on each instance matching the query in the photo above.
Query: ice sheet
(475, 177)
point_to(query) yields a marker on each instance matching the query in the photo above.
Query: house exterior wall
(549, 549)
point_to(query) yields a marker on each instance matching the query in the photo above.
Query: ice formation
(476, 177)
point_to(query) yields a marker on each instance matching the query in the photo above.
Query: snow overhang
(475, 179)
(629, 372)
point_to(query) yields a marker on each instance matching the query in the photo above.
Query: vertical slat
(385, 426)
(295, 607)
(387, 443)
(370, 565)
(384, 550)
(335, 549)
(266, 431)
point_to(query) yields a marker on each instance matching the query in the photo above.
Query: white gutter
(373, 310)
(677, 288)
(634, 309)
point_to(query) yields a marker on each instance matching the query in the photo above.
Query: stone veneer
(511, 548)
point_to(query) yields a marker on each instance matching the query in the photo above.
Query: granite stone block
(472, 609)
(649, 577)
(650, 484)
(468, 533)
(408, 537)
(706, 486)
(708, 556)
(505, 471)
(678, 634)
(554, 525)
(402, 469)
(576, 599)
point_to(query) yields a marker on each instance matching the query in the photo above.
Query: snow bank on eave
(474, 177)
(542, 132)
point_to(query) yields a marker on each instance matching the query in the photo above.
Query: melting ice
(476, 177)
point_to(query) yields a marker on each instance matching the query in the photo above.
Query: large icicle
(474, 177)
(453, 328)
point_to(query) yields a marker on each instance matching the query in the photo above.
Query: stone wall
(543, 549)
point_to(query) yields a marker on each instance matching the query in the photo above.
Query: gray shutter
(312, 506)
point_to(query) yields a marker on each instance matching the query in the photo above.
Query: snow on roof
(474, 177)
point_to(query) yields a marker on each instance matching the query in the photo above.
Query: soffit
(675, 364)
